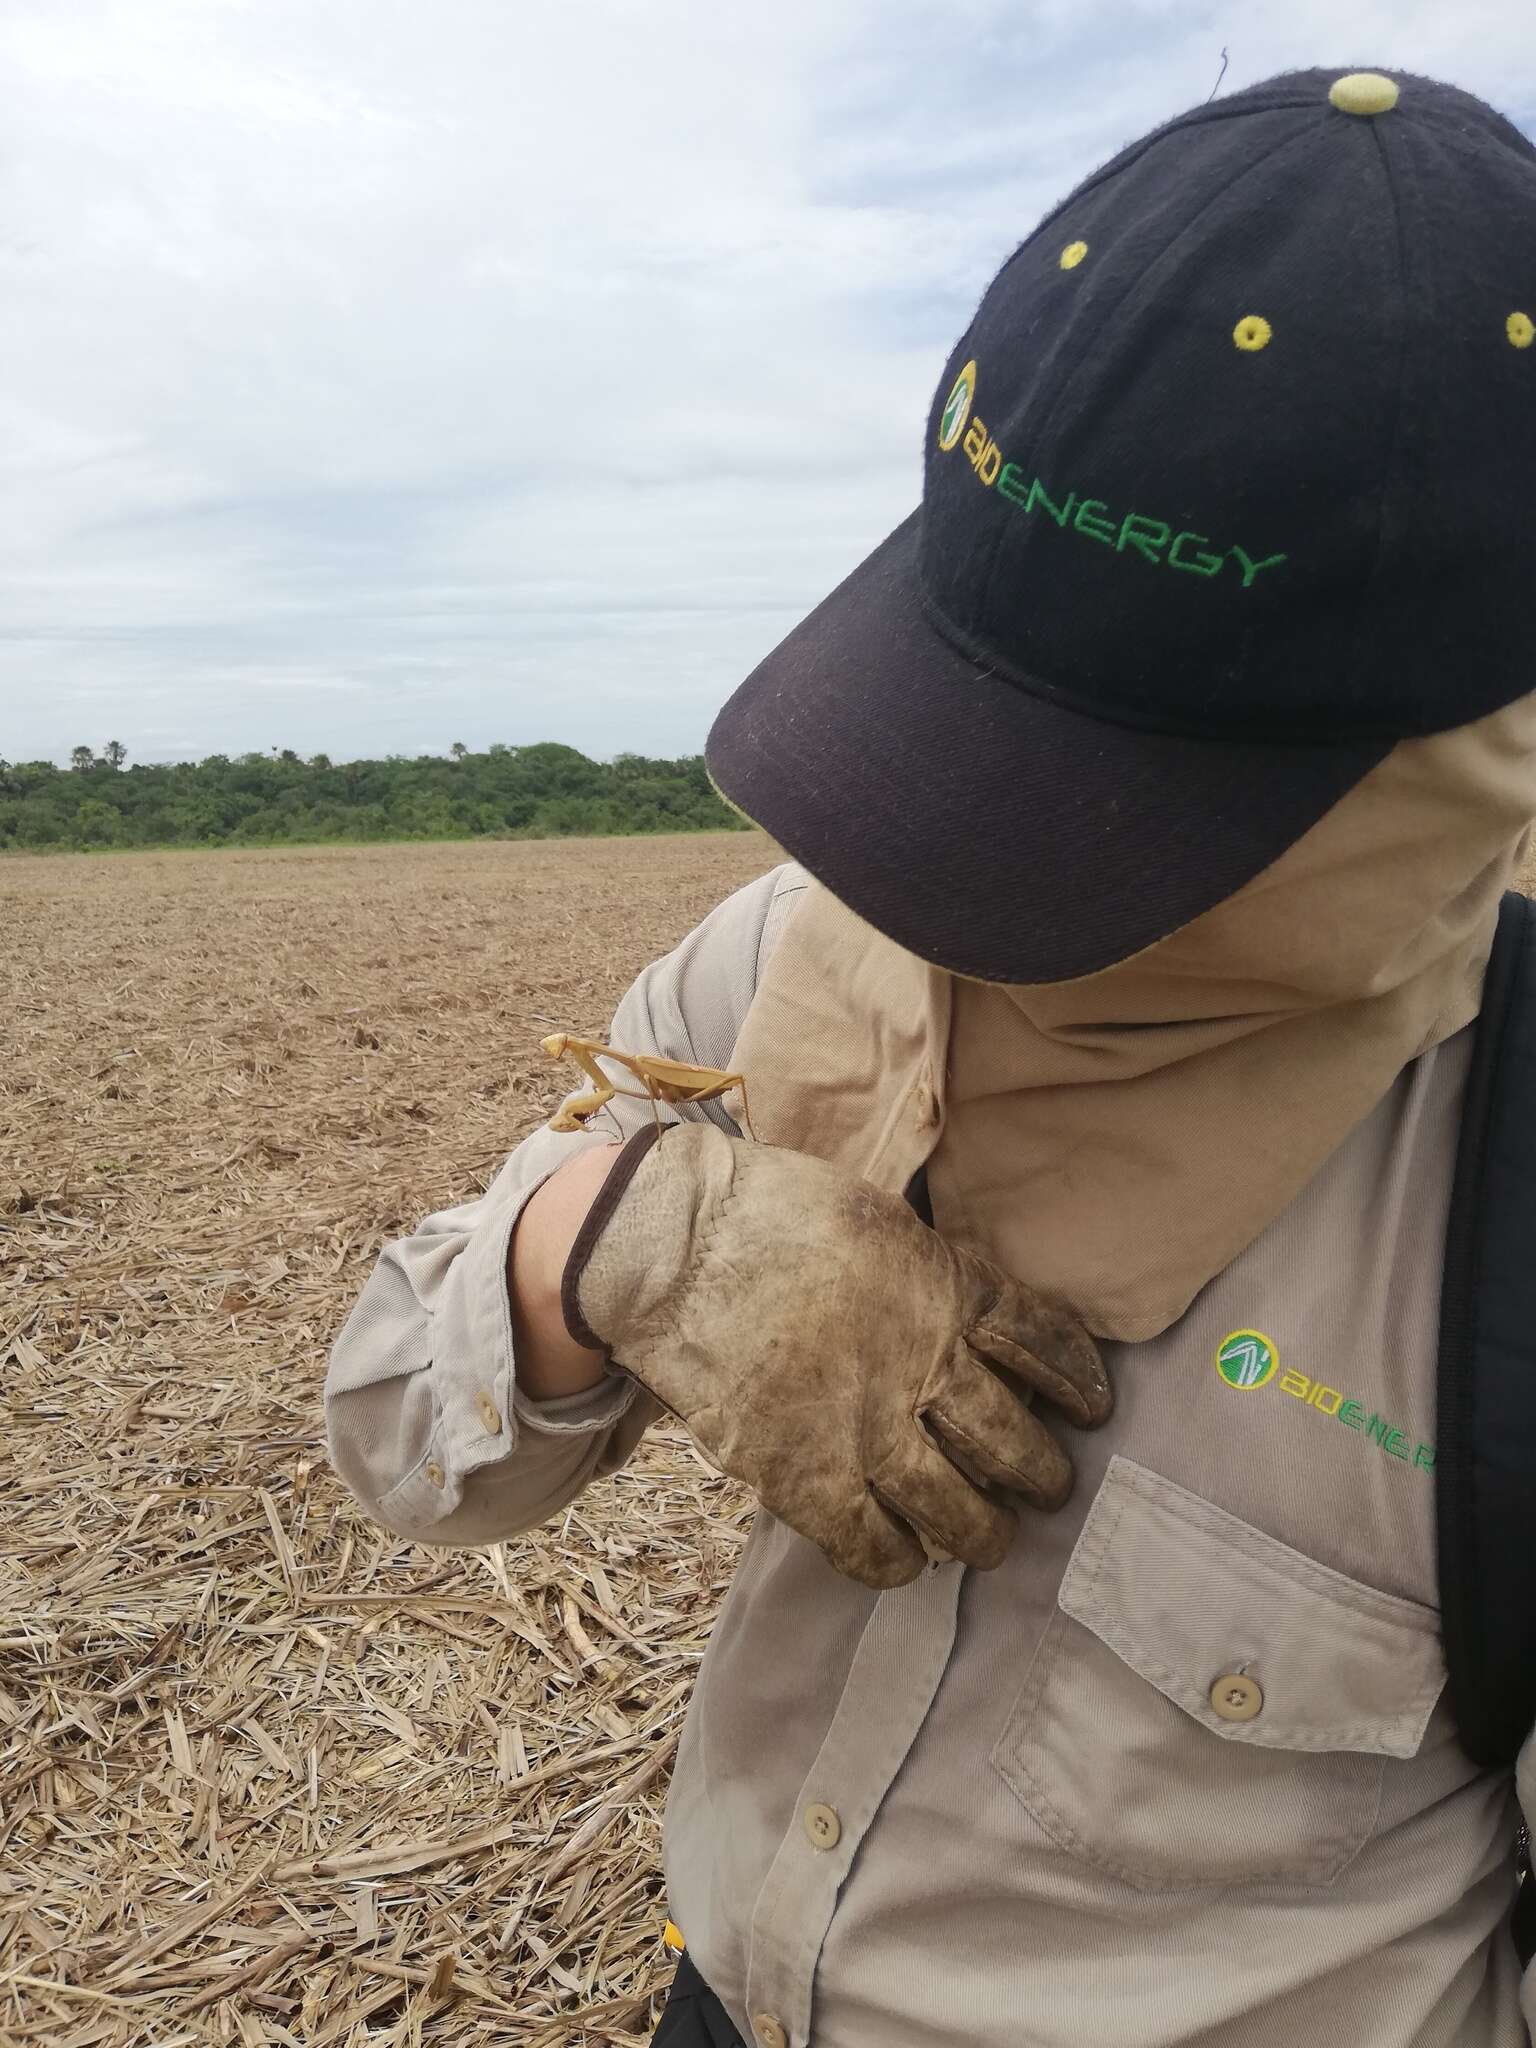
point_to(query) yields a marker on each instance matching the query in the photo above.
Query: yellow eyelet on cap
(1520, 329)
(1073, 254)
(1252, 332)
(1363, 92)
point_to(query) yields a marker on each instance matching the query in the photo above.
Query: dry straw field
(267, 1773)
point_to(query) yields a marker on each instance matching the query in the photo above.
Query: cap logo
(957, 407)
(1157, 541)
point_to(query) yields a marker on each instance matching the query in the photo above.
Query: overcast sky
(381, 373)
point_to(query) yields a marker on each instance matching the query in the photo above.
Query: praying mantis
(661, 1080)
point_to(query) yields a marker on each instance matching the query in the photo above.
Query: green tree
(98, 824)
(279, 799)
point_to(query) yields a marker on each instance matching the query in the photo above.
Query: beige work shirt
(1179, 1771)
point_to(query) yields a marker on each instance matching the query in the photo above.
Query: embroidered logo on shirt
(1247, 1359)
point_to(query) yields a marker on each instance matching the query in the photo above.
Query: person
(1150, 795)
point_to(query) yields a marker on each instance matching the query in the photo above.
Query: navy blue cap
(1227, 490)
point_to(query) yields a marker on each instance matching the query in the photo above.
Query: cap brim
(982, 826)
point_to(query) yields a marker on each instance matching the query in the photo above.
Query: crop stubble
(268, 1773)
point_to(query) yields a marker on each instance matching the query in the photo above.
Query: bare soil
(267, 1772)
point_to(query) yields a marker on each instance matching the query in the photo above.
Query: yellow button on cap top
(1236, 1697)
(1364, 92)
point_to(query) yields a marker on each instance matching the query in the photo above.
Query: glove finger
(861, 1539)
(936, 1498)
(873, 1546)
(1046, 1348)
(985, 1428)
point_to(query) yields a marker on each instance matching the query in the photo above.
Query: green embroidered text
(1374, 1428)
(1154, 540)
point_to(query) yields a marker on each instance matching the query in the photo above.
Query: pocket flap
(1186, 1594)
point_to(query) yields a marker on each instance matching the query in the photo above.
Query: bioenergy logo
(1247, 1360)
(1154, 540)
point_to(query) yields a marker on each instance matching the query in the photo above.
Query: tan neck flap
(1119, 1139)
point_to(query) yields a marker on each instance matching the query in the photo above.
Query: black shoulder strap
(1485, 1457)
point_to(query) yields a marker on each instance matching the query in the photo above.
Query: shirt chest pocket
(1209, 1707)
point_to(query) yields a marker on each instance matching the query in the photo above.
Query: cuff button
(823, 1828)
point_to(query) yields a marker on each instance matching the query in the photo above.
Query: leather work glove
(867, 1380)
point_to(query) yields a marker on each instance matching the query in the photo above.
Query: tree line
(537, 792)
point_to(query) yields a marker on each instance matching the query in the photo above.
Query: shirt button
(434, 1472)
(490, 1414)
(822, 1826)
(1236, 1697)
(925, 1107)
(770, 2031)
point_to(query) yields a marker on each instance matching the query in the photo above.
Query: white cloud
(384, 376)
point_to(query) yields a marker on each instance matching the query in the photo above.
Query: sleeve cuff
(581, 1414)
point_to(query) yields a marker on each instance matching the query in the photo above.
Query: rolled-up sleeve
(425, 1419)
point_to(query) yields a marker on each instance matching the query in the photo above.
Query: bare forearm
(549, 1361)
